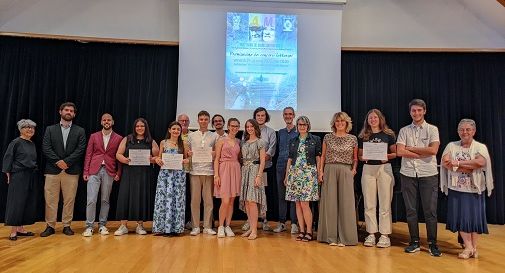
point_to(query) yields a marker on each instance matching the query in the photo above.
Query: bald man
(100, 169)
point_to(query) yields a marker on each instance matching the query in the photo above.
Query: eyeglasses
(465, 129)
(302, 124)
(234, 126)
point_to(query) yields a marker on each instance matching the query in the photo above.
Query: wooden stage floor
(271, 252)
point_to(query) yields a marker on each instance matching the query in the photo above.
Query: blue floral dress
(170, 201)
(302, 178)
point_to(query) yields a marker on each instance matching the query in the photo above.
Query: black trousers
(427, 187)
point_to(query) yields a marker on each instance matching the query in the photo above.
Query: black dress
(20, 160)
(135, 199)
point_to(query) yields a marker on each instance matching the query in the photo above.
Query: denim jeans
(101, 181)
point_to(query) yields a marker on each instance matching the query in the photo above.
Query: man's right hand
(62, 165)
(85, 177)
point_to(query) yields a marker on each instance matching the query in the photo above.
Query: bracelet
(458, 163)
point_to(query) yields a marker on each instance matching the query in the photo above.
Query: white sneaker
(384, 241)
(220, 232)
(369, 240)
(280, 228)
(103, 230)
(294, 229)
(229, 232)
(195, 231)
(122, 230)
(88, 232)
(266, 227)
(246, 226)
(140, 230)
(209, 231)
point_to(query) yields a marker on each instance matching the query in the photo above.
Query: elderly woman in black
(19, 164)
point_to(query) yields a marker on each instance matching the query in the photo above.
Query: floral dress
(170, 201)
(302, 178)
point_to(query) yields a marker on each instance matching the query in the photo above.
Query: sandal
(13, 237)
(27, 233)
(307, 237)
(300, 236)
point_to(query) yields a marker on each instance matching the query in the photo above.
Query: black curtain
(454, 86)
(128, 81)
(131, 81)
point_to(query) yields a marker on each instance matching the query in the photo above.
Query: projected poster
(261, 61)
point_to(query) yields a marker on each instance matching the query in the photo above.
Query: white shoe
(220, 232)
(369, 240)
(88, 232)
(280, 228)
(209, 231)
(122, 230)
(246, 226)
(384, 241)
(294, 229)
(103, 230)
(195, 231)
(266, 227)
(140, 230)
(229, 232)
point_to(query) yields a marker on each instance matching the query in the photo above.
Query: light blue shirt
(64, 132)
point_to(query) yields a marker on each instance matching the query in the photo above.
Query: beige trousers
(68, 185)
(201, 188)
(378, 180)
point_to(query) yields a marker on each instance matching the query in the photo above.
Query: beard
(67, 117)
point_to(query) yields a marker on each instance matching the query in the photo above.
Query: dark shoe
(27, 234)
(48, 232)
(300, 236)
(434, 251)
(307, 238)
(13, 238)
(68, 231)
(413, 247)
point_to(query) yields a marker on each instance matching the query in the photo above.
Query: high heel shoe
(247, 233)
(252, 236)
(475, 253)
(466, 254)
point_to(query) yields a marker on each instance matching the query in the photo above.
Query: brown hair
(366, 131)
(256, 126)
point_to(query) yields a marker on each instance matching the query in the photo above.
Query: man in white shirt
(202, 176)
(418, 145)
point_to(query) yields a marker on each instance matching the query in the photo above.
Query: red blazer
(96, 153)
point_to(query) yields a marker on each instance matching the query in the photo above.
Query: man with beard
(63, 146)
(218, 124)
(100, 169)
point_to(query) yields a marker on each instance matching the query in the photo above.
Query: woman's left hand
(257, 181)
(353, 172)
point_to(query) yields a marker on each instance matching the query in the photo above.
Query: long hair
(256, 126)
(180, 143)
(147, 134)
(366, 131)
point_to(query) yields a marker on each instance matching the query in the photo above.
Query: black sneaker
(434, 251)
(413, 247)
(68, 231)
(48, 232)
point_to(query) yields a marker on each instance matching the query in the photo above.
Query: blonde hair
(343, 116)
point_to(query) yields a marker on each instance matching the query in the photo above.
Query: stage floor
(271, 252)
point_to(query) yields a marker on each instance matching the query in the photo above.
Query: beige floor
(269, 253)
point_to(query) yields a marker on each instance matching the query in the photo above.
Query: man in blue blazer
(63, 146)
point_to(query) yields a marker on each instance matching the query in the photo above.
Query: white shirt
(200, 139)
(106, 139)
(418, 136)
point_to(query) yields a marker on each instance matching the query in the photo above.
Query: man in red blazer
(100, 169)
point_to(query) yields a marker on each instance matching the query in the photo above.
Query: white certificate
(375, 151)
(171, 161)
(202, 154)
(139, 157)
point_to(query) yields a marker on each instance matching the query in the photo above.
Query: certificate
(171, 161)
(202, 155)
(375, 151)
(139, 157)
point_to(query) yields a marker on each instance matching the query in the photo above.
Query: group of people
(307, 170)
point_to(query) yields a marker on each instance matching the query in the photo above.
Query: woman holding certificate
(170, 200)
(134, 199)
(227, 176)
(464, 177)
(377, 145)
(339, 159)
(301, 180)
(252, 192)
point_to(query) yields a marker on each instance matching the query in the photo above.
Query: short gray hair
(468, 121)
(305, 120)
(26, 123)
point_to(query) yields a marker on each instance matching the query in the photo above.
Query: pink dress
(229, 171)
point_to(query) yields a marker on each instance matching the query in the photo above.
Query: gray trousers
(428, 191)
(101, 181)
(283, 204)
